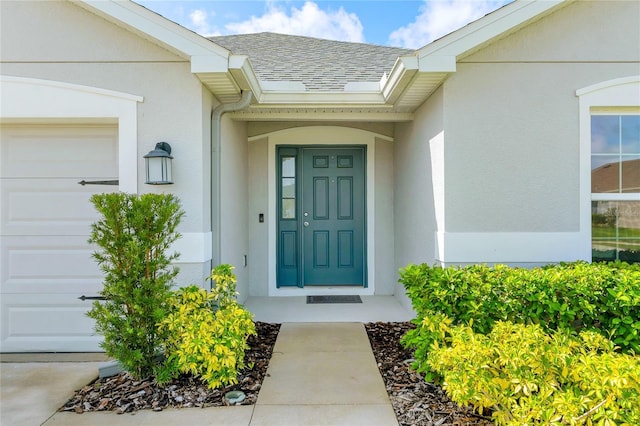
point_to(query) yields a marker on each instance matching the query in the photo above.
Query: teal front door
(321, 224)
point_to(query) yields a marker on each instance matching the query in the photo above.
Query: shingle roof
(321, 65)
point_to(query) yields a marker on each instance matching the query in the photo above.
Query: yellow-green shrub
(525, 376)
(207, 332)
(576, 296)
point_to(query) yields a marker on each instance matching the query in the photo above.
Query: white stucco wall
(384, 226)
(511, 118)
(414, 190)
(258, 203)
(63, 42)
(234, 201)
(415, 220)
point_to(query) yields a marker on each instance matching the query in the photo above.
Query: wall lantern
(158, 165)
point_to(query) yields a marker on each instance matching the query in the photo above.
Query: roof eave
(438, 60)
(400, 78)
(499, 23)
(158, 29)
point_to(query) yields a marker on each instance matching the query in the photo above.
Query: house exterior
(313, 166)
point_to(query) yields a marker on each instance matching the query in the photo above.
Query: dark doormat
(333, 299)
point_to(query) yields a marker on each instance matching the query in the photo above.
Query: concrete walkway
(320, 374)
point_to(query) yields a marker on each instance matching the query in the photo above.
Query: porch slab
(295, 309)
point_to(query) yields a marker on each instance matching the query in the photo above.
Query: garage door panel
(60, 151)
(46, 262)
(49, 207)
(47, 323)
(49, 265)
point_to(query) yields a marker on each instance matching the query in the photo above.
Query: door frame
(299, 207)
(319, 136)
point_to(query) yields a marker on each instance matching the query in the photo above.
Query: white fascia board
(283, 86)
(362, 87)
(208, 64)
(437, 63)
(298, 115)
(324, 99)
(155, 26)
(403, 71)
(486, 28)
(245, 77)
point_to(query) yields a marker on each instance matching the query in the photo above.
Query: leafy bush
(207, 332)
(630, 256)
(575, 296)
(526, 376)
(134, 235)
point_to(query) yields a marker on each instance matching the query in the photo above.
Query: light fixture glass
(158, 165)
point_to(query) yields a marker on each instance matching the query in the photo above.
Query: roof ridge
(311, 38)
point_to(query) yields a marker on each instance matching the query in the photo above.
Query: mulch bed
(415, 402)
(122, 394)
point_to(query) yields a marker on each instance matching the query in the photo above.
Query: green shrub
(574, 296)
(134, 235)
(526, 376)
(207, 332)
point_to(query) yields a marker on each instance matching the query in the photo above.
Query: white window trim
(47, 101)
(609, 97)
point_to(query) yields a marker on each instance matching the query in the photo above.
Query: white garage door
(45, 260)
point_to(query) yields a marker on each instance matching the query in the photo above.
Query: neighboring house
(310, 163)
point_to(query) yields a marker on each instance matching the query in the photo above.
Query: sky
(400, 23)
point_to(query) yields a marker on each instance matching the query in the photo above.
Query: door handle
(305, 223)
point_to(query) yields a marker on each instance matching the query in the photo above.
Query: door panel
(333, 211)
(320, 249)
(345, 198)
(288, 249)
(320, 198)
(345, 249)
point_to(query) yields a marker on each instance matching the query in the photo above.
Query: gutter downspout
(216, 172)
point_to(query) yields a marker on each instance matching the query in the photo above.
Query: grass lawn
(610, 232)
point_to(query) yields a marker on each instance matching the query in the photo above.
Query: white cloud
(440, 17)
(199, 20)
(309, 20)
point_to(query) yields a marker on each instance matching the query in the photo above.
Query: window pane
(630, 174)
(288, 188)
(289, 167)
(629, 219)
(630, 134)
(615, 230)
(288, 208)
(605, 173)
(605, 134)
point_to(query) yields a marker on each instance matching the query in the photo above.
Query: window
(615, 187)
(288, 189)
